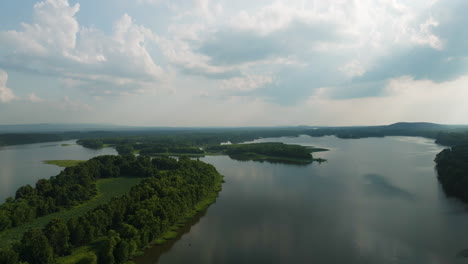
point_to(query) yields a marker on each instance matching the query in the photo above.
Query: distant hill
(416, 126)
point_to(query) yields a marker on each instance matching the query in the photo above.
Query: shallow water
(375, 200)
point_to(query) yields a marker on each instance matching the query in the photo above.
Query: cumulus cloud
(55, 45)
(6, 94)
(247, 83)
(32, 97)
(344, 44)
(268, 56)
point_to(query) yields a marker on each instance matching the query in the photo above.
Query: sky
(233, 63)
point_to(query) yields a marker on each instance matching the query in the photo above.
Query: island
(104, 210)
(198, 145)
(269, 151)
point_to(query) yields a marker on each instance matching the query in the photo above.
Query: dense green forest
(114, 231)
(208, 136)
(27, 138)
(452, 164)
(265, 151)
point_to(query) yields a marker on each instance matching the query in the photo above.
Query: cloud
(245, 84)
(349, 45)
(69, 104)
(32, 97)
(54, 45)
(6, 94)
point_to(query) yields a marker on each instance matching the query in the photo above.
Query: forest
(115, 231)
(210, 136)
(452, 166)
(265, 151)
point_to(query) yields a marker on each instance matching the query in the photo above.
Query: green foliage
(265, 151)
(452, 168)
(63, 163)
(34, 248)
(58, 235)
(150, 210)
(91, 143)
(89, 259)
(27, 138)
(124, 149)
(73, 186)
(8, 256)
(452, 138)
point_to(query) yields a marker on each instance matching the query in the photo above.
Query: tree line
(70, 187)
(452, 170)
(272, 149)
(127, 223)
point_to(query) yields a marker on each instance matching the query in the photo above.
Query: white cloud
(404, 99)
(245, 83)
(6, 94)
(54, 44)
(53, 31)
(32, 97)
(353, 68)
(69, 104)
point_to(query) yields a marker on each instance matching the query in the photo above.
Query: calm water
(376, 200)
(23, 164)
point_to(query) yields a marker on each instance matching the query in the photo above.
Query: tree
(8, 256)
(124, 149)
(34, 248)
(58, 236)
(122, 251)
(25, 192)
(89, 259)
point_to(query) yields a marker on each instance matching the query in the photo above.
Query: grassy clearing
(172, 233)
(77, 255)
(63, 163)
(107, 188)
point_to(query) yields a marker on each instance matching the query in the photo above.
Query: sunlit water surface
(376, 200)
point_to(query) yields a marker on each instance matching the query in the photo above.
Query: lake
(23, 164)
(375, 200)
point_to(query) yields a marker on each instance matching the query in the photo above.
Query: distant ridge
(416, 125)
(88, 127)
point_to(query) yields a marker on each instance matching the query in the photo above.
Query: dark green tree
(58, 235)
(34, 248)
(8, 256)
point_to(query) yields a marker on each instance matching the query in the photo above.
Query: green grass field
(107, 188)
(63, 163)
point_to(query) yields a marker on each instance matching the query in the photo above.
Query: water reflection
(378, 185)
(375, 201)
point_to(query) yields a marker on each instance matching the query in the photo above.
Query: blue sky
(233, 63)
